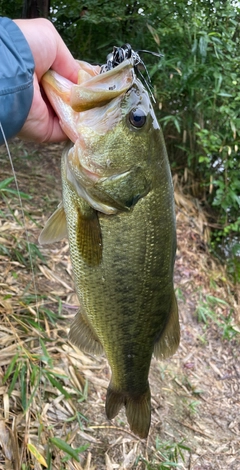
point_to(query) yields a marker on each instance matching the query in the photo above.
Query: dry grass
(52, 396)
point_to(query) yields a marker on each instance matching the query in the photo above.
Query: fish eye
(137, 117)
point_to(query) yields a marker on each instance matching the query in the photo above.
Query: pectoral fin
(55, 228)
(170, 337)
(83, 336)
(89, 237)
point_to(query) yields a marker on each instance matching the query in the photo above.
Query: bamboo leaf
(63, 445)
(10, 368)
(32, 449)
(57, 384)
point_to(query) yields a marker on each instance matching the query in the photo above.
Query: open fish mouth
(92, 91)
(102, 88)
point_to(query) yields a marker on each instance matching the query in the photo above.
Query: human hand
(49, 51)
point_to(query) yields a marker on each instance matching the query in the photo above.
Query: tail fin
(138, 409)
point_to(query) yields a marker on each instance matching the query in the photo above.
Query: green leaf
(5, 183)
(14, 379)
(57, 384)
(23, 385)
(10, 368)
(62, 445)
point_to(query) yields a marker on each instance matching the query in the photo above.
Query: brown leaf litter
(48, 389)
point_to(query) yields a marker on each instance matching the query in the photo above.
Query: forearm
(16, 78)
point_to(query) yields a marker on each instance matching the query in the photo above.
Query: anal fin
(83, 336)
(170, 337)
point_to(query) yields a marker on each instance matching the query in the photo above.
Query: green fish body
(118, 212)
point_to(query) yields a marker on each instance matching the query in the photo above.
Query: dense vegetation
(196, 83)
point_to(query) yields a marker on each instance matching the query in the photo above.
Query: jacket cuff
(16, 79)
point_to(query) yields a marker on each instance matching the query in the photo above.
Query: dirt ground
(195, 394)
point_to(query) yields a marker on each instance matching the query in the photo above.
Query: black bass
(118, 214)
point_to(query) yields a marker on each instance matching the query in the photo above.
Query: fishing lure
(119, 54)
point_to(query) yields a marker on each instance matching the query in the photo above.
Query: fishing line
(119, 54)
(24, 224)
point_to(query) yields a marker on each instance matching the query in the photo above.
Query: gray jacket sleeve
(16, 78)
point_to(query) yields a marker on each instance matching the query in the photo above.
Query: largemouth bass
(118, 214)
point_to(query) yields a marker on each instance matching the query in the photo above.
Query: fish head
(110, 120)
(117, 135)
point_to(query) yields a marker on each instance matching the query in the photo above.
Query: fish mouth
(93, 90)
(103, 88)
